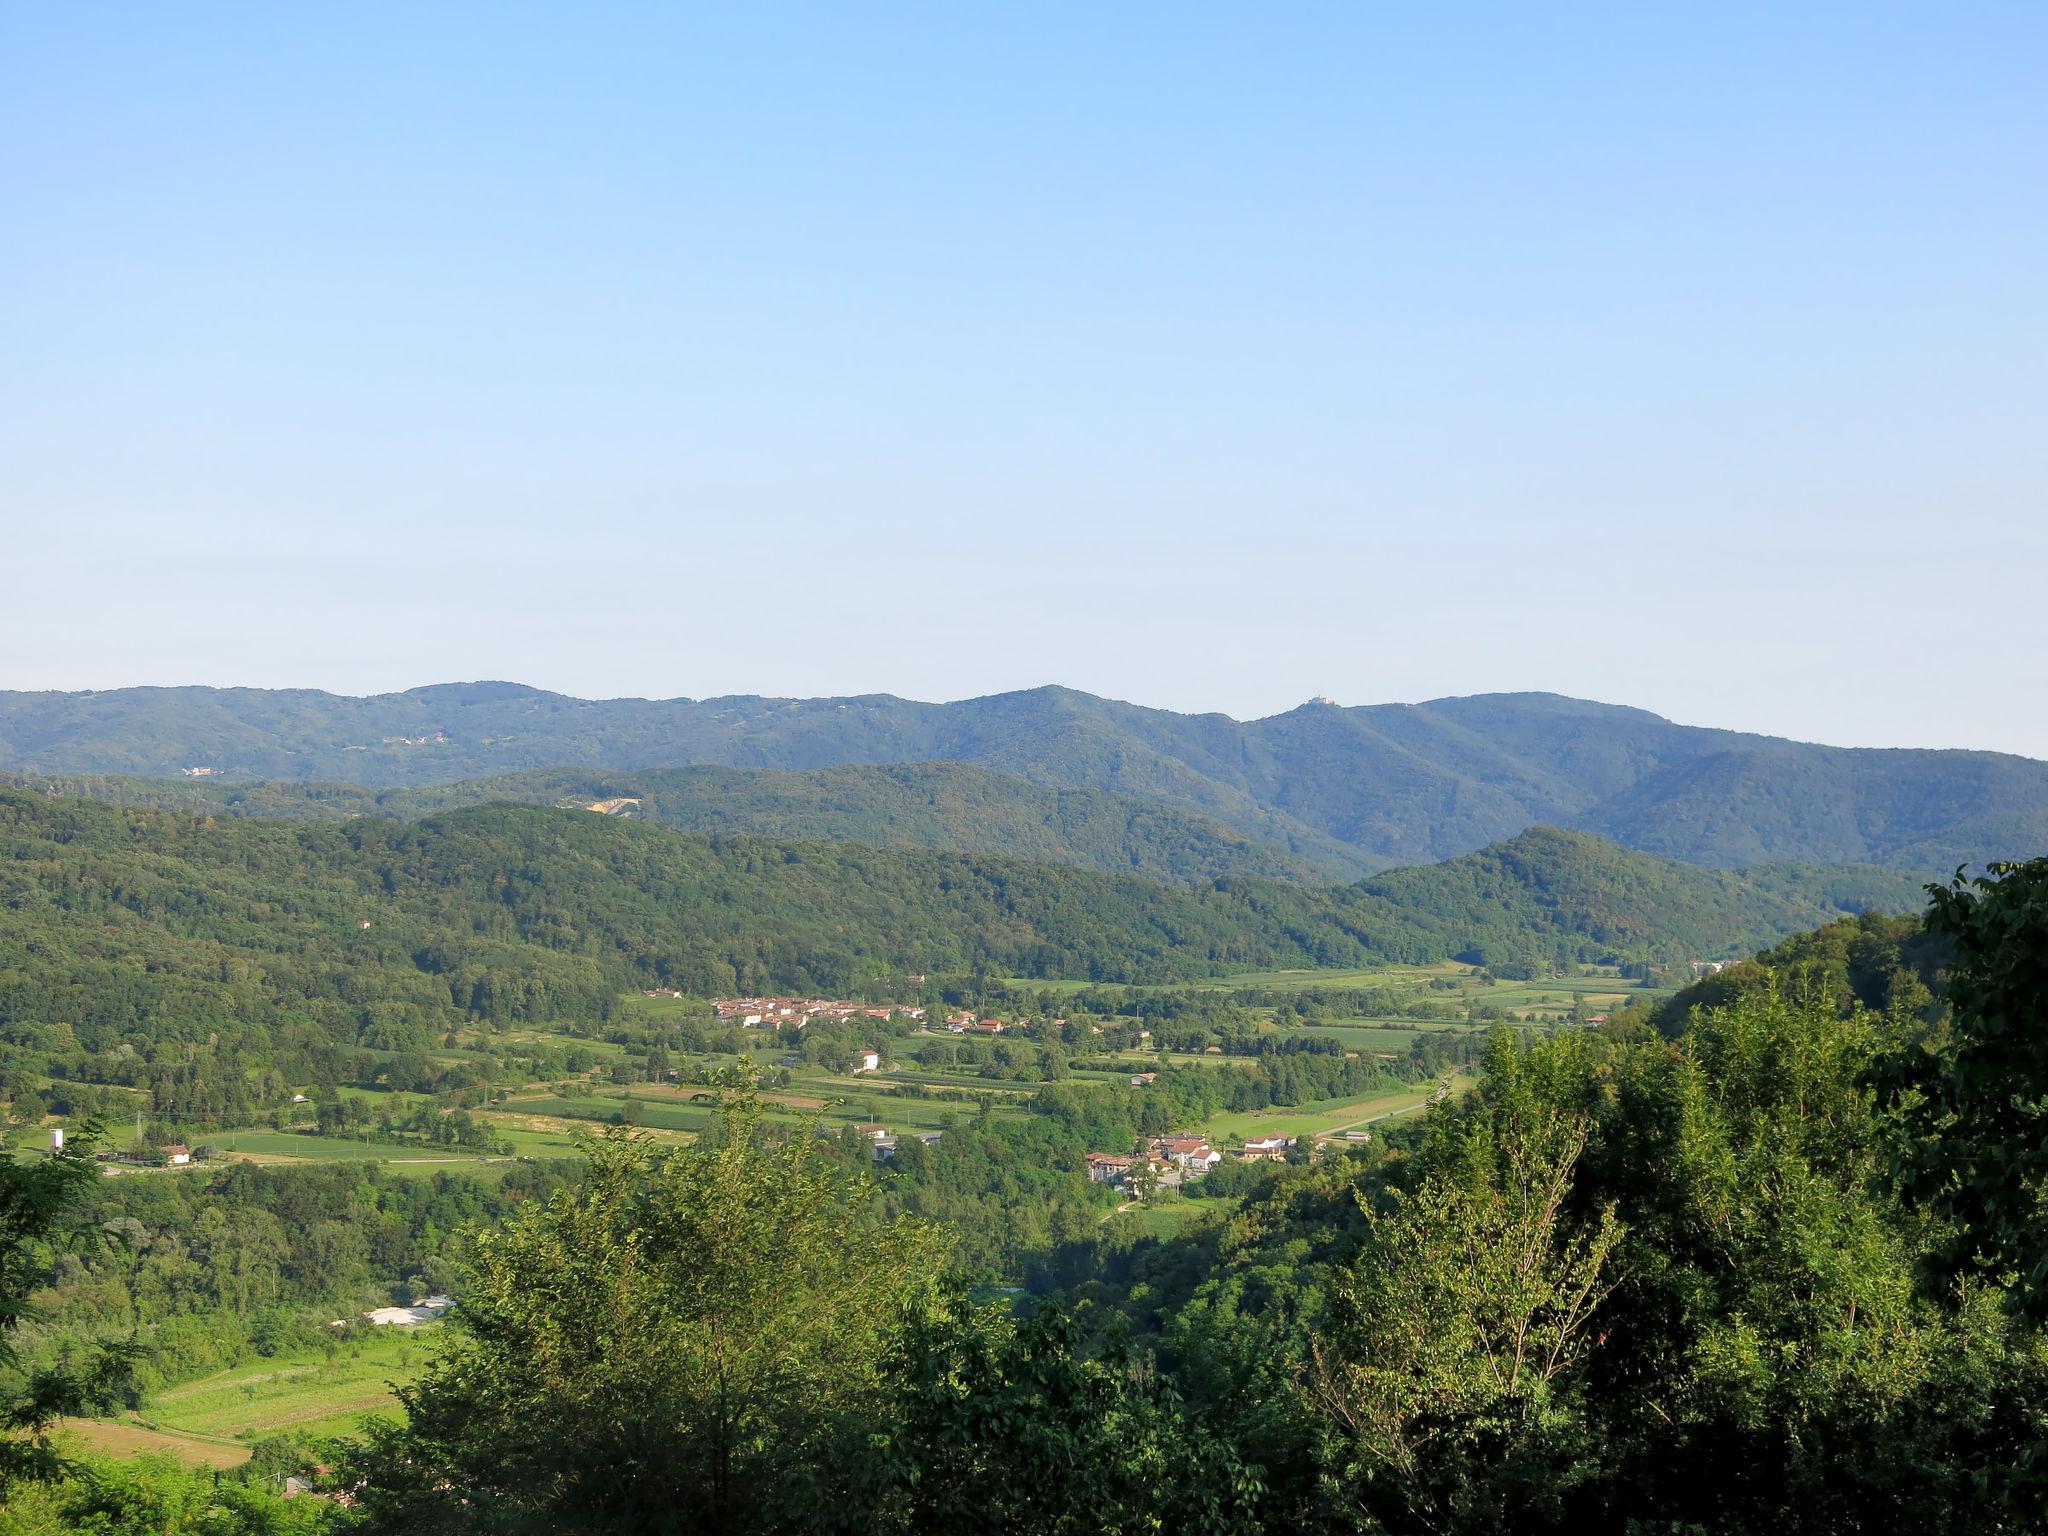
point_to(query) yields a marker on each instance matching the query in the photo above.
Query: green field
(1382, 1035)
(313, 1394)
(1169, 1217)
(1234, 1126)
(291, 1146)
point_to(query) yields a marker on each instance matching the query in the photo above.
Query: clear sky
(1208, 356)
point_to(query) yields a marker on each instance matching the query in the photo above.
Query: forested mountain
(954, 806)
(1346, 789)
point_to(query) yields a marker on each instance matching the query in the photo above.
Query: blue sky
(1208, 356)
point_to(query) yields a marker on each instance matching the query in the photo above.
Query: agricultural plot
(213, 1421)
(292, 1147)
(1382, 1036)
(125, 1437)
(1327, 1118)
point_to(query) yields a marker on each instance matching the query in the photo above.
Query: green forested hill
(128, 924)
(1549, 895)
(1347, 790)
(918, 805)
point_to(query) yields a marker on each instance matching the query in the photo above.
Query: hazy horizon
(1203, 358)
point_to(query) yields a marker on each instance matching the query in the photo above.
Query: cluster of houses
(1171, 1161)
(774, 1012)
(969, 1024)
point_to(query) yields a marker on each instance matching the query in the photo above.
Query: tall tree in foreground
(694, 1340)
(44, 1203)
(1982, 1154)
(1446, 1380)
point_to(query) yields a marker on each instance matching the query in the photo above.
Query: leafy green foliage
(1698, 1233)
(43, 1205)
(161, 1496)
(1456, 1332)
(1885, 964)
(703, 1331)
(1981, 1111)
(997, 1425)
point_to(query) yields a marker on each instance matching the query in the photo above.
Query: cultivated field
(214, 1420)
(1329, 1117)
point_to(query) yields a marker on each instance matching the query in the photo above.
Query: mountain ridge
(1392, 783)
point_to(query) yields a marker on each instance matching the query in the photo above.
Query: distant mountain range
(1331, 791)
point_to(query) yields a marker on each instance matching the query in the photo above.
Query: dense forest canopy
(1344, 789)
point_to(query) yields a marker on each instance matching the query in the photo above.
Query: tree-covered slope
(1548, 894)
(953, 806)
(138, 923)
(1342, 788)
(1911, 810)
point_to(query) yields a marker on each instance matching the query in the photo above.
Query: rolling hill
(954, 806)
(123, 924)
(1385, 784)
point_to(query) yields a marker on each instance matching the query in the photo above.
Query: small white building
(177, 1154)
(867, 1061)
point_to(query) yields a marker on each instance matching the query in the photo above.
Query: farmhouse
(1108, 1168)
(177, 1153)
(1189, 1152)
(867, 1061)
